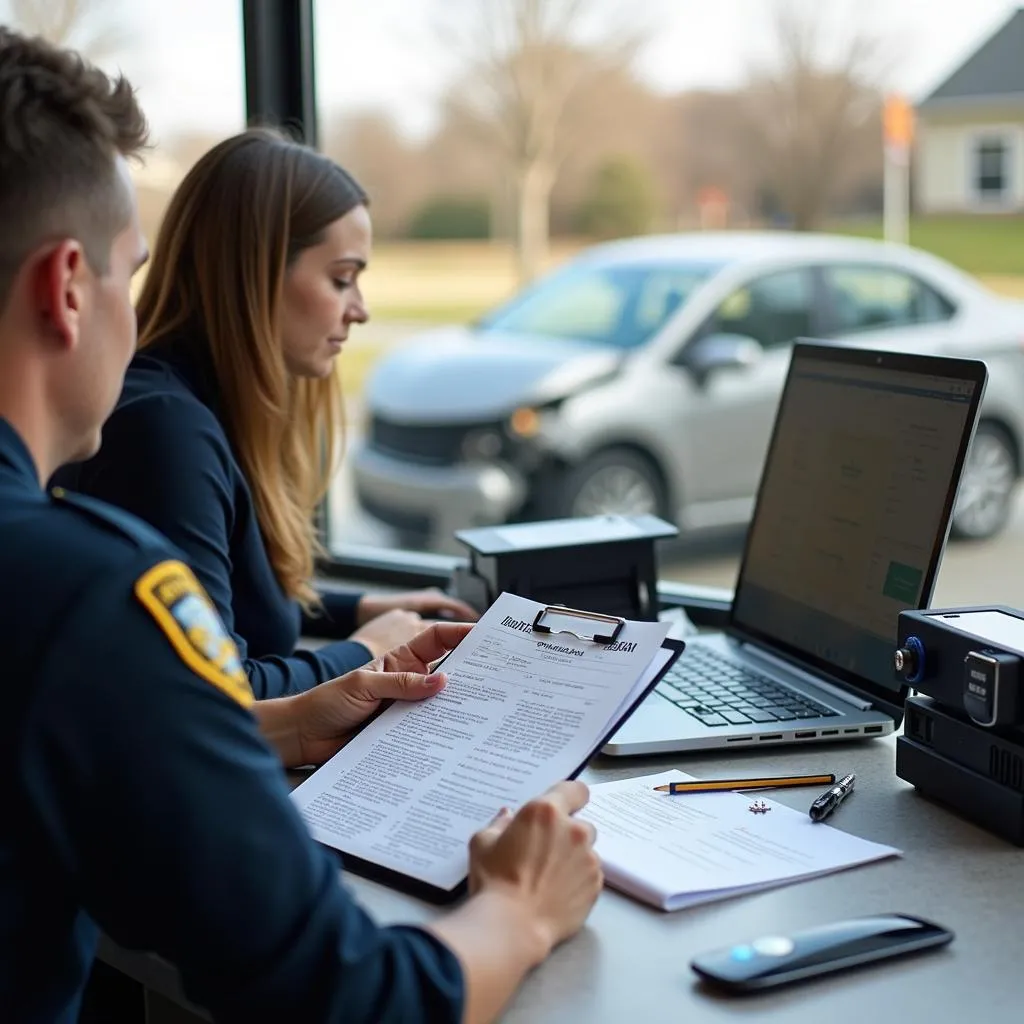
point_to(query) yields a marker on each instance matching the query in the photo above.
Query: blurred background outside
(497, 138)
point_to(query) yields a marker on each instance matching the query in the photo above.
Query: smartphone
(781, 959)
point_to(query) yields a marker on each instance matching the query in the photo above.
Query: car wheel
(986, 491)
(618, 481)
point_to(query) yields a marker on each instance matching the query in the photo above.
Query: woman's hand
(431, 603)
(324, 718)
(388, 631)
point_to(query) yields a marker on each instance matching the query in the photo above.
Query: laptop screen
(854, 504)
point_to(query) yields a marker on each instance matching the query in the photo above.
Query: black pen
(832, 798)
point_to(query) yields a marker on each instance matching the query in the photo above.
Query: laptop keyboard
(716, 691)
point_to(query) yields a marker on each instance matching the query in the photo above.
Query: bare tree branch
(93, 27)
(527, 63)
(809, 112)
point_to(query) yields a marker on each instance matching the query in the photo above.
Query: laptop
(849, 527)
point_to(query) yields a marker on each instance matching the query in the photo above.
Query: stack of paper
(677, 851)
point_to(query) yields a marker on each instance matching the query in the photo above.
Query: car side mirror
(716, 352)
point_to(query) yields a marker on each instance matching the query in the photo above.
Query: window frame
(707, 607)
(1010, 139)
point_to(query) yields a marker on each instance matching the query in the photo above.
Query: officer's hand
(327, 715)
(431, 603)
(544, 860)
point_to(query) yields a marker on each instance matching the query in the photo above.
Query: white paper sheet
(520, 712)
(677, 851)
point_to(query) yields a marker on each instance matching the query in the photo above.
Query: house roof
(995, 71)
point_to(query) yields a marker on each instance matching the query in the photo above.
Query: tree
(810, 118)
(386, 164)
(620, 202)
(704, 143)
(529, 62)
(93, 27)
(452, 217)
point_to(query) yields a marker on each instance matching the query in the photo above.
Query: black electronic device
(975, 772)
(966, 658)
(780, 959)
(963, 742)
(604, 563)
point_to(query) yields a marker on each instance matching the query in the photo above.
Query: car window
(589, 306)
(775, 309)
(619, 305)
(866, 298)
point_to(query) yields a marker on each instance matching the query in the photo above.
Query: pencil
(740, 785)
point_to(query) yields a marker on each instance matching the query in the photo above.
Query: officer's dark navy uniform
(167, 459)
(139, 797)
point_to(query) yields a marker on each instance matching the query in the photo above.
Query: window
(620, 305)
(775, 309)
(991, 172)
(868, 298)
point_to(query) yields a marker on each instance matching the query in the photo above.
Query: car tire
(616, 481)
(987, 489)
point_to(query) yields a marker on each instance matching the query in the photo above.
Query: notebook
(675, 852)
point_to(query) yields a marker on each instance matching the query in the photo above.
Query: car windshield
(617, 305)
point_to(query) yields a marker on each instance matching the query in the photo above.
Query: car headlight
(524, 422)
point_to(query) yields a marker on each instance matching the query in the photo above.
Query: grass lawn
(980, 245)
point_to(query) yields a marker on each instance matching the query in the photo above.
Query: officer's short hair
(62, 123)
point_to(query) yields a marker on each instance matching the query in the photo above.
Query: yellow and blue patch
(171, 593)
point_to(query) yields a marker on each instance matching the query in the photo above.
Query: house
(970, 132)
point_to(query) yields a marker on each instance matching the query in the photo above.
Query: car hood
(457, 374)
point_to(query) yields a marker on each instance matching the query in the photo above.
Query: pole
(280, 85)
(896, 201)
(898, 132)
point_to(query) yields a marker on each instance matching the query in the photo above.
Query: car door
(734, 409)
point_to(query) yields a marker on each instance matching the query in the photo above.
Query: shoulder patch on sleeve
(171, 593)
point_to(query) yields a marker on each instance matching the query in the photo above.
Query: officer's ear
(59, 284)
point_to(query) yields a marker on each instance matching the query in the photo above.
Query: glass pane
(190, 83)
(462, 406)
(866, 297)
(774, 310)
(618, 305)
(992, 167)
(586, 305)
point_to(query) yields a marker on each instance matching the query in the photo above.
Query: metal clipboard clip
(575, 613)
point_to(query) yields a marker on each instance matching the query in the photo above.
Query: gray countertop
(630, 963)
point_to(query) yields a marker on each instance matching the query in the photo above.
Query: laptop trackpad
(657, 719)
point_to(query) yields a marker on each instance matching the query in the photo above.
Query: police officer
(141, 787)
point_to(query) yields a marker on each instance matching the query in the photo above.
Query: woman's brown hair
(239, 218)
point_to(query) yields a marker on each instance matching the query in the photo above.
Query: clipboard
(435, 894)
(552, 611)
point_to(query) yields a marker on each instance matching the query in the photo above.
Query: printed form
(678, 851)
(521, 711)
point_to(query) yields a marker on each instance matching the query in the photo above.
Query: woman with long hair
(227, 431)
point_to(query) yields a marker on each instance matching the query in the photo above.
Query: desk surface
(631, 962)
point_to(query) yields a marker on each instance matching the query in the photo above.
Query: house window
(992, 169)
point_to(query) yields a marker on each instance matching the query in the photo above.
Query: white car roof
(766, 247)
